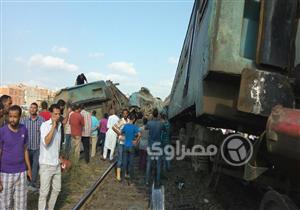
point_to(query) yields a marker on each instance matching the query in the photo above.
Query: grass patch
(74, 184)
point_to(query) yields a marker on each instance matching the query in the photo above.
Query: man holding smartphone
(50, 171)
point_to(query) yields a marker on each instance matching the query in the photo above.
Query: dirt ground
(230, 194)
(112, 195)
(74, 184)
(193, 193)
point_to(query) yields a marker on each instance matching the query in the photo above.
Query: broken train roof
(94, 92)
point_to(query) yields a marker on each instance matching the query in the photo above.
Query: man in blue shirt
(132, 136)
(155, 127)
(33, 124)
(94, 134)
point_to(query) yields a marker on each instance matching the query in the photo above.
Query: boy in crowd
(14, 162)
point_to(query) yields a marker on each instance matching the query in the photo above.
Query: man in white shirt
(118, 128)
(111, 136)
(86, 132)
(50, 171)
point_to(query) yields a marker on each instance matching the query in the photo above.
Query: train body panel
(222, 48)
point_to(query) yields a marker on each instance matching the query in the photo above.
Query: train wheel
(273, 200)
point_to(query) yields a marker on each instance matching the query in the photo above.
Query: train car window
(250, 29)
(200, 11)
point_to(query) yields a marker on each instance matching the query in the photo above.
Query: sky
(134, 43)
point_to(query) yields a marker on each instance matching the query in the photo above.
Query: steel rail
(92, 189)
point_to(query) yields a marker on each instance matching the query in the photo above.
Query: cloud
(56, 49)
(123, 67)
(131, 84)
(128, 84)
(20, 59)
(173, 60)
(51, 63)
(95, 76)
(162, 88)
(96, 55)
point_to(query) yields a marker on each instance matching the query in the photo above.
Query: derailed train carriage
(239, 61)
(100, 96)
(144, 102)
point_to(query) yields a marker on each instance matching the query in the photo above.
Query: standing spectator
(143, 145)
(45, 113)
(14, 162)
(33, 124)
(76, 124)
(102, 130)
(81, 79)
(132, 137)
(68, 136)
(61, 104)
(155, 128)
(111, 136)
(118, 128)
(7, 102)
(95, 123)
(86, 133)
(1, 114)
(50, 171)
(165, 140)
(63, 119)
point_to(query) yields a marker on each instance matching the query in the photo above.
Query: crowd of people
(33, 148)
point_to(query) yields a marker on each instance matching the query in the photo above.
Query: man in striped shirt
(33, 124)
(86, 132)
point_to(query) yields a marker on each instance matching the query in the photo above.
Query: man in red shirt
(45, 113)
(76, 123)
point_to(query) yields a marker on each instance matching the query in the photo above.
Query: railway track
(93, 188)
(108, 193)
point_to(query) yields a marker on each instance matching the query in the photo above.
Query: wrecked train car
(145, 102)
(100, 96)
(239, 61)
(232, 67)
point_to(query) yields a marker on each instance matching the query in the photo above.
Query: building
(25, 95)
(16, 92)
(36, 94)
